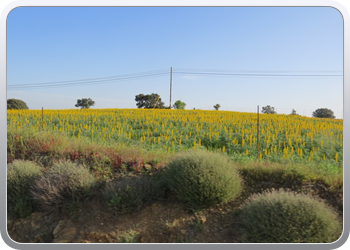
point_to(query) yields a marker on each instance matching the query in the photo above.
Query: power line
(98, 79)
(251, 74)
(262, 71)
(162, 72)
(84, 84)
(90, 81)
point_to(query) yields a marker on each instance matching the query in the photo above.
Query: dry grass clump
(20, 176)
(129, 194)
(280, 216)
(63, 183)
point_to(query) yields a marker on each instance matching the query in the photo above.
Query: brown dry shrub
(63, 183)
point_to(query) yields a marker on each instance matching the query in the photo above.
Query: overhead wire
(253, 74)
(203, 72)
(259, 71)
(93, 80)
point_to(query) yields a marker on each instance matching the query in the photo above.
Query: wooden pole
(171, 83)
(257, 135)
(42, 118)
(156, 102)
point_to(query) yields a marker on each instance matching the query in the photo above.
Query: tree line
(154, 101)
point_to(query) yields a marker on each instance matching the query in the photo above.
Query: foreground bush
(62, 184)
(201, 179)
(129, 194)
(287, 217)
(20, 176)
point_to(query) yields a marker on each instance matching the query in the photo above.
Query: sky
(240, 57)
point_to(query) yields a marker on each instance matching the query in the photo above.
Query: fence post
(257, 135)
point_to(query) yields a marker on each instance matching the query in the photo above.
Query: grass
(109, 163)
(289, 173)
(20, 178)
(129, 236)
(106, 161)
(197, 224)
(257, 174)
(47, 148)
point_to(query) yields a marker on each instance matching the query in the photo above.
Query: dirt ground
(160, 222)
(164, 221)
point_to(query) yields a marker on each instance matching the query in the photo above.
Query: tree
(217, 106)
(149, 101)
(84, 103)
(179, 105)
(268, 110)
(16, 104)
(294, 112)
(323, 113)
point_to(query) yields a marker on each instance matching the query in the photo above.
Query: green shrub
(63, 183)
(129, 236)
(129, 194)
(16, 104)
(124, 196)
(201, 178)
(280, 216)
(20, 176)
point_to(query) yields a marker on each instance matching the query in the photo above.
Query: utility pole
(171, 83)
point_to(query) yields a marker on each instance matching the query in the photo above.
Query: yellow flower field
(235, 133)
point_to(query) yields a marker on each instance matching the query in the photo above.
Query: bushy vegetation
(323, 113)
(201, 178)
(179, 105)
(16, 104)
(217, 106)
(268, 110)
(129, 236)
(149, 101)
(20, 177)
(63, 183)
(129, 194)
(84, 103)
(280, 216)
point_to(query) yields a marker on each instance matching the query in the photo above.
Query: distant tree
(179, 105)
(323, 113)
(268, 110)
(294, 112)
(149, 101)
(217, 106)
(16, 104)
(84, 103)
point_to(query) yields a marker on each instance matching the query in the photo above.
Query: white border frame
(188, 3)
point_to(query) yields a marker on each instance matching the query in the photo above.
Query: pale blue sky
(54, 44)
